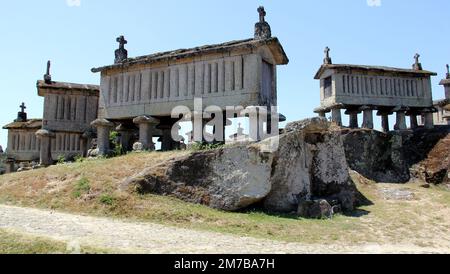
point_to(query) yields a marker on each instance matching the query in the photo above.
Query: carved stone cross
(327, 59)
(48, 67)
(448, 72)
(122, 42)
(416, 57)
(22, 107)
(327, 52)
(262, 14)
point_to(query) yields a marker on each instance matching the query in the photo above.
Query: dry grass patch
(91, 187)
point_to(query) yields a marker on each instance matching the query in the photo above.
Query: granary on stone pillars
(143, 91)
(69, 110)
(442, 116)
(23, 146)
(364, 89)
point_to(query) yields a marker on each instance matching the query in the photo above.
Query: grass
(91, 187)
(17, 243)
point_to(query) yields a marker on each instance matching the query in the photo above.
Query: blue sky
(79, 37)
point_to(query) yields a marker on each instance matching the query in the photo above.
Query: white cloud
(73, 3)
(374, 3)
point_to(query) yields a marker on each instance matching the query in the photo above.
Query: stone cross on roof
(448, 72)
(48, 76)
(262, 28)
(122, 42)
(22, 107)
(327, 60)
(22, 115)
(417, 65)
(262, 14)
(121, 53)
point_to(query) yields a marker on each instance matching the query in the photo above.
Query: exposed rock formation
(308, 172)
(395, 157)
(230, 178)
(309, 164)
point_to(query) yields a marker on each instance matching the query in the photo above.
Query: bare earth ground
(120, 236)
(402, 219)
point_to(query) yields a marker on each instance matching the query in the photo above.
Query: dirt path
(137, 237)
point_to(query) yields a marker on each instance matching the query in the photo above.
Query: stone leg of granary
(367, 117)
(125, 137)
(414, 122)
(103, 127)
(385, 122)
(255, 123)
(336, 116)
(353, 113)
(146, 125)
(166, 125)
(429, 122)
(9, 165)
(401, 121)
(45, 153)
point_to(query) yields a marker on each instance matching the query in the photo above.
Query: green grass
(96, 181)
(17, 243)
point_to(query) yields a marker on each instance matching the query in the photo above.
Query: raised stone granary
(65, 130)
(360, 88)
(237, 73)
(443, 106)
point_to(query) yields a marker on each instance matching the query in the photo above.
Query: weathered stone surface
(310, 162)
(230, 179)
(397, 157)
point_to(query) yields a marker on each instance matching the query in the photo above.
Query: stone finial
(262, 28)
(48, 76)
(121, 53)
(417, 65)
(327, 60)
(447, 76)
(22, 115)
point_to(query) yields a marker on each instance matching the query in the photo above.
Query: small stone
(138, 146)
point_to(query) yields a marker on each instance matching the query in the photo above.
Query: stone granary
(141, 92)
(65, 129)
(69, 110)
(443, 106)
(359, 88)
(23, 145)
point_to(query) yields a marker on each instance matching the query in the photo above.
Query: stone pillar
(353, 113)
(367, 117)
(385, 122)
(401, 121)
(125, 136)
(254, 123)
(414, 122)
(9, 165)
(45, 153)
(103, 130)
(146, 125)
(336, 116)
(429, 122)
(166, 138)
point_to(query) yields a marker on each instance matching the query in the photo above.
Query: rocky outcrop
(306, 165)
(397, 157)
(309, 164)
(230, 178)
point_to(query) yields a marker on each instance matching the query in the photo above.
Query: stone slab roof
(30, 124)
(379, 69)
(63, 85)
(273, 43)
(445, 82)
